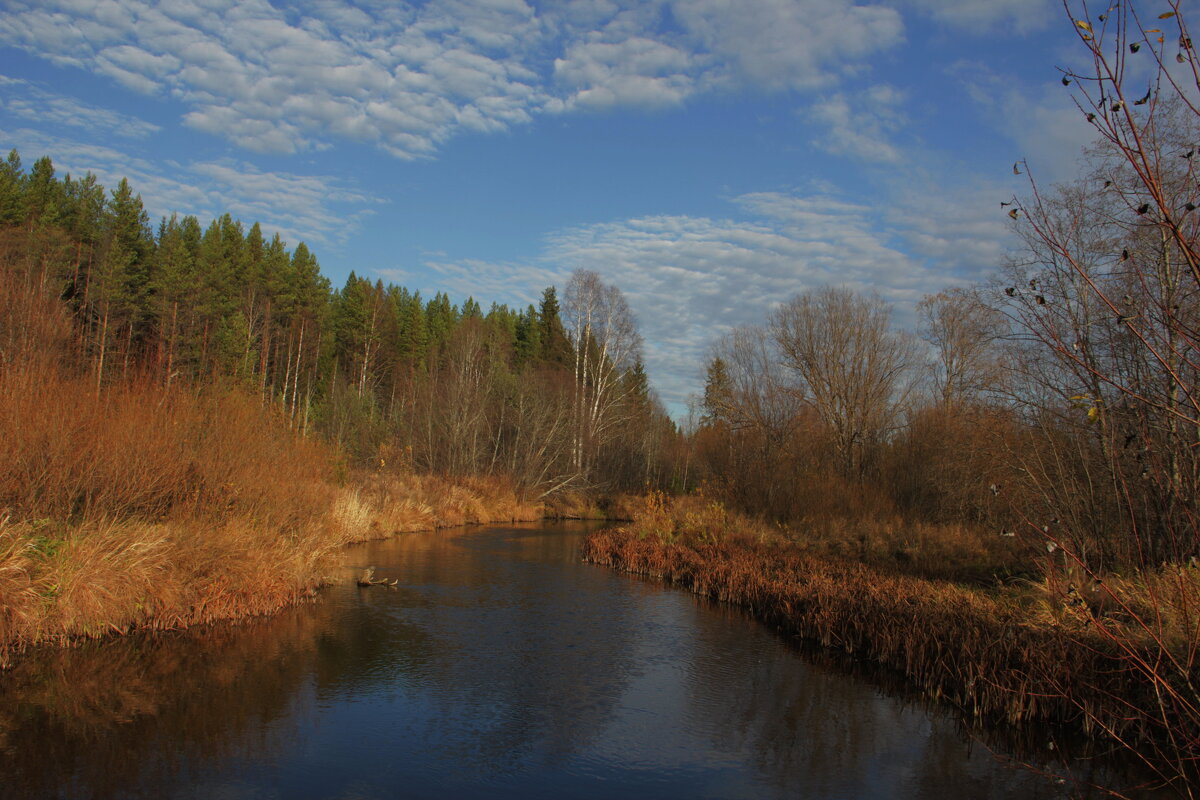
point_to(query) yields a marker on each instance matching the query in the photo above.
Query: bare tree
(752, 392)
(964, 333)
(848, 364)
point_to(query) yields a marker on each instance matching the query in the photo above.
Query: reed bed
(953, 643)
(1017, 654)
(376, 505)
(581, 504)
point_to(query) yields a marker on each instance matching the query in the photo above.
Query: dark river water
(501, 666)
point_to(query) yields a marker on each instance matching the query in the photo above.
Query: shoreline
(64, 584)
(977, 650)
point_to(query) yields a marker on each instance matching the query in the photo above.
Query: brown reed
(996, 654)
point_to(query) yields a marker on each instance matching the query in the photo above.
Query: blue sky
(709, 157)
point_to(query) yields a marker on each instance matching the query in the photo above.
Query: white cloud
(959, 226)
(799, 44)
(1048, 130)
(861, 125)
(407, 77)
(636, 71)
(985, 17)
(29, 101)
(305, 201)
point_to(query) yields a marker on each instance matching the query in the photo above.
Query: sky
(710, 158)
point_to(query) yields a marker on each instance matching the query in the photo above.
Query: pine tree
(718, 388)
(440, 317)
(84, 217)
(254, 299)
(554, 347)
(173, 286)
(124, 285)
(414, 336)
(12, 195)
(276, 267)
(43, 196)
(527, 337)
(357, 317)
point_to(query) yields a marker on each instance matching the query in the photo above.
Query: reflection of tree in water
(119, 717)
(130, 715)
(835, 726)
(513, 685)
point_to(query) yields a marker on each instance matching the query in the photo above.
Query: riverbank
(1014, 654)
(61, 582)
(141, 506)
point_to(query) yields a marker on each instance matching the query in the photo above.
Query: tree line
(554, 395)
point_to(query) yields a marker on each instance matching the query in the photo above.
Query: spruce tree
(718, 390)
(12, 195)
(554, 346)
(43, 196)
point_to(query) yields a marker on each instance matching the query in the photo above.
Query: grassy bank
(137, 506)
(578, 504)
(1013, 652)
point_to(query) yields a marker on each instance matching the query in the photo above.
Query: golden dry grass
(375, 505)
(579, 504)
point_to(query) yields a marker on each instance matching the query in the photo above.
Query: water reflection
(501, 666)
(94, 721)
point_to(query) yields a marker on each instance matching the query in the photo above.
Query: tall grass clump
(378, 504)
(143, 506)
(138, 505)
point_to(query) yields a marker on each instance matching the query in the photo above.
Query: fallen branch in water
(368, 579)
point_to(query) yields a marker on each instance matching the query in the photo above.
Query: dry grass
(954, 643)
(578, 504)
(945, 551)
(376, 505)
(887, 543)
(103, 577)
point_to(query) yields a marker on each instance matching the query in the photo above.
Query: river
(500, 666)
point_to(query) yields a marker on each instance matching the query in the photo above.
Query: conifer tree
(84, 204)
(173, 287)
(12, 198)
(440, 317)
(717, 390)
(414, 336)
(275, 269)
(122, 278)
(554, 346)
(43, 196)
(527, 337)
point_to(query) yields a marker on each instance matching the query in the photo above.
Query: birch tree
(606, 344)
